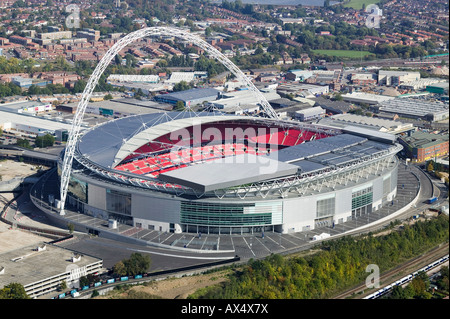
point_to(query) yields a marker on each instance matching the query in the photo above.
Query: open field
(343, 53)
(357, 4)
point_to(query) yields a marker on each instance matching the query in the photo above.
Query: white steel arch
(103, 64)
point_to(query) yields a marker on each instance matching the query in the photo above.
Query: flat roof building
(439, 88)
(416, 109)
(189, 97)
(310, 114)
(377, 124)
(30, 124)
(366, 98)
(423, 146)
(41, 269)
(396, 78)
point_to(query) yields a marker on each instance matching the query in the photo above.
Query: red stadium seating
(164, 155)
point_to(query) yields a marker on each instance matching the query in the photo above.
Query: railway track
(398, 272)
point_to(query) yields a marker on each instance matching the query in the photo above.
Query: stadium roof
(331, 151)
(316, 147)
(228, 172)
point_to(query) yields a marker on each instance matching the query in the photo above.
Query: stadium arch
(103, 64)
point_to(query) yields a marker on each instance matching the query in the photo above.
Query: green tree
(44, 141)
(70, 227)
(137, 264)
(63, 285)
(23, 143)
(13, 291)
(179, 106)
(119, 269)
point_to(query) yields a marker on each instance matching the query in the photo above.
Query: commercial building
(310, 114)
(189, 97)
(422, 146)
(363, 79)
(395, 78)
(22, 82)
(420, 84)
(298, 75)
(230, 102)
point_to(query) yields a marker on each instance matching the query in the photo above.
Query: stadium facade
(221, 174)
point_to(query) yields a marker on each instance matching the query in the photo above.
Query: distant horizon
(318, 3)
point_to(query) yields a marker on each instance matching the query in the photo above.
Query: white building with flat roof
(31, 125)
(396, 78)
(367, 98)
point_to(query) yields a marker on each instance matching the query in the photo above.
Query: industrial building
(366, 98)
(118, 107)
(190, 97)
(236, 102)
(423, 146)
(303, 89)
(438, 88)
(373, 123)
(395, 78)
(415, 109)
(310, 114)
(133, 78)
(30, 125)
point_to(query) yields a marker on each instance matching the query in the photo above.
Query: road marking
(167, 238)
(177, 256)
(248, 246)
(279, 244)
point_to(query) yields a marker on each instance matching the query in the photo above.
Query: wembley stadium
(214, 173)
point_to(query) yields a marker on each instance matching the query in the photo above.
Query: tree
(137, 264)
(179, 106)
(63, 285)
(70, 227)
(79, 86)
(23, 143)
(44, 141)
(119, 269)
(430, 166)
(13, 291)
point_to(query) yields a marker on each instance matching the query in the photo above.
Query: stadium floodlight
(103, 64)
